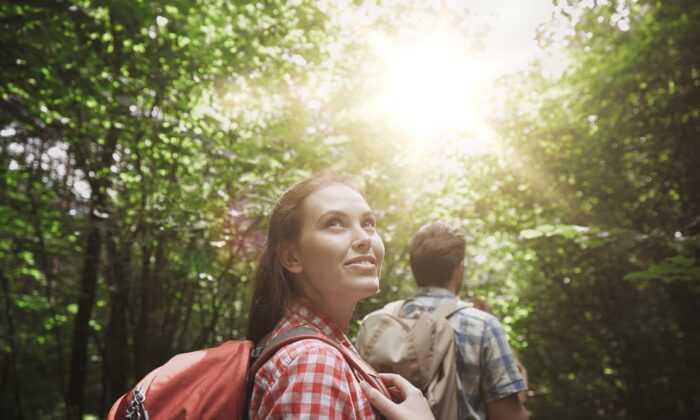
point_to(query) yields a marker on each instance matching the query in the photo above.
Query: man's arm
(502, 380)
(508, 408)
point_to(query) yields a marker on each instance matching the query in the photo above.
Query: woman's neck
(339, 311)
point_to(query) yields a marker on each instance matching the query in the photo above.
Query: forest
(143, 143)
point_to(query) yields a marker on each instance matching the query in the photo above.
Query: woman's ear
(288, 258)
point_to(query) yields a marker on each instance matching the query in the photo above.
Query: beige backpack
(421, 350)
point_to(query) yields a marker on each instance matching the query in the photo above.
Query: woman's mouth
(364, 262)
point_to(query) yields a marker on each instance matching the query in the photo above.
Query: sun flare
(433, 90)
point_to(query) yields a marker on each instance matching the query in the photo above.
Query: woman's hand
(413, 405)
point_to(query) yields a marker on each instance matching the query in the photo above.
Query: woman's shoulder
(308, 370)
(304, 355)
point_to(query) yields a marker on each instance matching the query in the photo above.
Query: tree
(111, 137)
(609, 150)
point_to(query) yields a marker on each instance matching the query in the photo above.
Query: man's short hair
(435, 251)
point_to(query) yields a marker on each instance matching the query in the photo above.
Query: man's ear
(459, 270)
(458, 276)
(288, 258)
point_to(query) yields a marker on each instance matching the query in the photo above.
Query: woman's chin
(358, 288)
(369, 288)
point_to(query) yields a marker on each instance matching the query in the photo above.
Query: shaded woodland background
(142, 144)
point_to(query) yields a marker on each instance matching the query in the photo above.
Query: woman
(323, 254)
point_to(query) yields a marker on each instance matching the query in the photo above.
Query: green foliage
(609, 149)
(678, 267)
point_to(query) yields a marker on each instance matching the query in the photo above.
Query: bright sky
(432, 84)
(510, 44)
(439, 85)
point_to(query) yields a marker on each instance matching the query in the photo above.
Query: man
(487, 374)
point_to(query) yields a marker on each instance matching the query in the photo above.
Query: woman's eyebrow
(368, 213)
(331, 213)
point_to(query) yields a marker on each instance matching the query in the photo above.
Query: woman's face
(338, 254)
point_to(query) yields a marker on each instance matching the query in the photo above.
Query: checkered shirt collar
(433, 292)
(301, 312)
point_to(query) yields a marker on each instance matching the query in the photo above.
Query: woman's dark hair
(273, 286)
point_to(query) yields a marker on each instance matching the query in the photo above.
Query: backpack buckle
(136, 410)
(255, 352)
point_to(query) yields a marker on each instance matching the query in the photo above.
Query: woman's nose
(362, 244)
(363, 240)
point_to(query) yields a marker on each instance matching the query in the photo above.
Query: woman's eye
(333, 222)
(369, 224)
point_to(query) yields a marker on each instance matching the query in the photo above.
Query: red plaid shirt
(309, 378)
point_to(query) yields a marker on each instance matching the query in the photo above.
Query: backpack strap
(445, 310)
(260, 355)
(394, 308)
(449, 307)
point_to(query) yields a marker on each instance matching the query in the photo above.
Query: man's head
(436, 251)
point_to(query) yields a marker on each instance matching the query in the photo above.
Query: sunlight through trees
(143, 143)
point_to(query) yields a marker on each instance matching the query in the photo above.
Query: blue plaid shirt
(486, 368)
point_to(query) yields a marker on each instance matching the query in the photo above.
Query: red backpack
(215, 383)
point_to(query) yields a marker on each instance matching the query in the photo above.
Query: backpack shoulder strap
(260, 355)
(449, 307)
(367, 373)
(302, 333)
(393, 308)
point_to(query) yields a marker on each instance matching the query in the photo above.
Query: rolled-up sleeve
(499, 371)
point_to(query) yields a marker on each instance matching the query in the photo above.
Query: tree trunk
(13, 348)
(81, 329)
(44, 259)
(116, 355)
(161, 346)
(141, 328)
